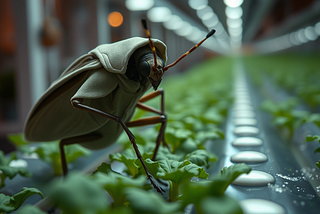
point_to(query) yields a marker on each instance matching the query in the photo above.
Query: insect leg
(146, 121)
(73, 140)
(77, 103)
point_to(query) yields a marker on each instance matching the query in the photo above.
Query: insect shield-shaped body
(106, 79)
(95, 97)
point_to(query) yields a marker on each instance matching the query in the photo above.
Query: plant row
(298, 75)
(196, 105)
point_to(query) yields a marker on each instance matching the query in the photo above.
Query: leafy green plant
(310, 138)
(7, 171)
(296, 73)
(130, 195)
(116, 184)
(12, 203)
(175, 172)
(49, 151)
(201, 157)
(208, 196)
(194, 117)
(29, 209)
(284, 114)
(145, 202)
(78, 194)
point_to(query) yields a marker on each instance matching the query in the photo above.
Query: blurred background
(40, 38)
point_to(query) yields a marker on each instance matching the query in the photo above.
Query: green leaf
(8, 171)
(220, 204)
(201, 157)
(317, 150)
(197, 192)
(187, 146)
(203, 136)
(140, 140)
(318, 164)
(212, 115)
(78, 194)
(104, 168)
(227, 176)
(11, 172)
(9, 204)
(193, 124)
(172, 140)
(29, 209)
(152, 166)
(73, 152)
(315, 118)
(145, 202)
(178, 173)
(5, 161)
(17, 139)
(49, 152)
(311, 138)
(116, 184)
(165, 153)
(128, 157)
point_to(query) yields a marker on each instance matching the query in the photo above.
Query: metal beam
(256, 19)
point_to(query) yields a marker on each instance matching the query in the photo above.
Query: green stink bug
(104, 88)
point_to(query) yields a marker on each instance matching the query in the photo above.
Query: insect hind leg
(74, 140)
(77, 103)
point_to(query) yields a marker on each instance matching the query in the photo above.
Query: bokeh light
(115, 19)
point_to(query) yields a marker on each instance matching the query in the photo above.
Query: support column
(31, 78)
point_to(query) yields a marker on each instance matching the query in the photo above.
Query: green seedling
(285, 116)
(12, 203)
(208, 196)
(49, 152)
(6, 171)
(310, 138)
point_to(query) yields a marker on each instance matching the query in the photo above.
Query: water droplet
(288, 177)
(302, 203)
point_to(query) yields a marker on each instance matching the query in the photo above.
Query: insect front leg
(77, 103)
(153, 120)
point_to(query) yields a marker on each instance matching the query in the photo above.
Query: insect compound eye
(144, 68)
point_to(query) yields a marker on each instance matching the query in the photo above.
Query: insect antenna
(144, 24)
(192, 49)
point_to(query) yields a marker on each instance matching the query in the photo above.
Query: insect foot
(155, 183)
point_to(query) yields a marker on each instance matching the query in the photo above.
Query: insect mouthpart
(156, 74)
(155, 84)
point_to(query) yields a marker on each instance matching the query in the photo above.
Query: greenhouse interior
(221, 94)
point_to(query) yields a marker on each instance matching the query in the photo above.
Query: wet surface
(291, 188)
